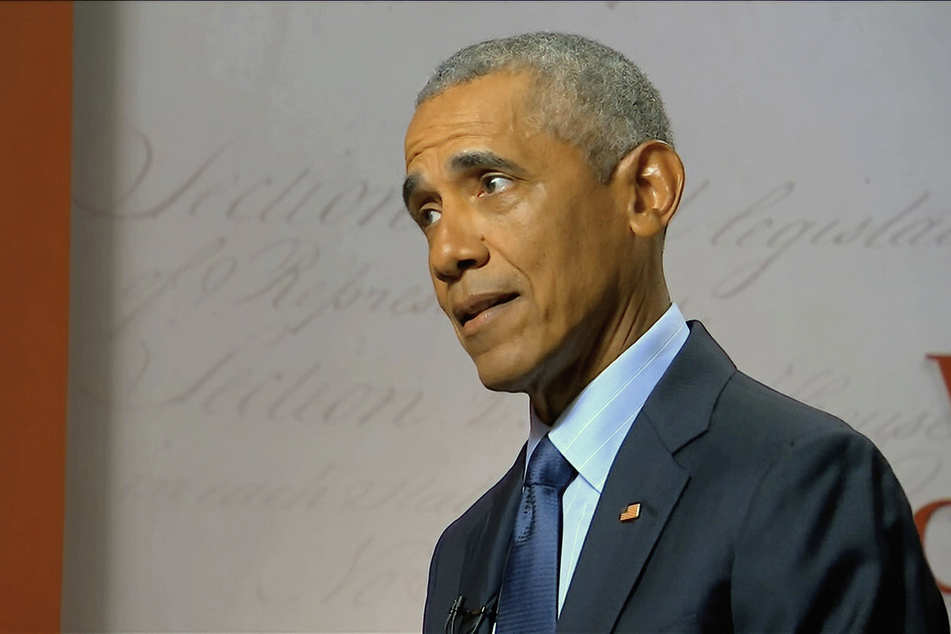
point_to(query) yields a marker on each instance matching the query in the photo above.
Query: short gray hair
(587, 93)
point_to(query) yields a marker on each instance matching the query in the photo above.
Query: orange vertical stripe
(35, 122)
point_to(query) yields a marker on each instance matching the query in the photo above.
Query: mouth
(474, 305)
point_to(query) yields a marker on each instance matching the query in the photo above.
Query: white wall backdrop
(270, 420)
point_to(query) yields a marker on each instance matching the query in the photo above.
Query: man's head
(584, 93)
(547, 268)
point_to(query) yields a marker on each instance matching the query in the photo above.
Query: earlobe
(650, 179)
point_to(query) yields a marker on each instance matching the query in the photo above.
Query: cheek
(577, 285)
(559, 279)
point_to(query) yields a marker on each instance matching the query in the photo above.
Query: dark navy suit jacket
(758, 514)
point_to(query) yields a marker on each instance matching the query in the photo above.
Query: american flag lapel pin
(631, 513)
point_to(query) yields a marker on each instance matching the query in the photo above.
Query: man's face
(530, 255)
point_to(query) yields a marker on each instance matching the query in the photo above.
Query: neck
(553, 396)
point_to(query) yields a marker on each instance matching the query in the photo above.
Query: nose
(457, 245)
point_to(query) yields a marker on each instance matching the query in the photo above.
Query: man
(660, 489)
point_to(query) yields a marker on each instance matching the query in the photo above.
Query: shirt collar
(591, 429)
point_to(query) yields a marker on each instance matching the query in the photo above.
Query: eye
(494, 183)
(428, 217)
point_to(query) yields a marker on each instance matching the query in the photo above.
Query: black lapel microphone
(470, 619)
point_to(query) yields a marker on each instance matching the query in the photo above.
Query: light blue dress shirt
(590, 430)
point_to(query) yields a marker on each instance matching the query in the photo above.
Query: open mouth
(475, 305)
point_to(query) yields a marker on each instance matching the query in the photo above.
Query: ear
(650, 180)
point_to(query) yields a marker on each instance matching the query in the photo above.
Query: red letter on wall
(921, 523)
(944, 362)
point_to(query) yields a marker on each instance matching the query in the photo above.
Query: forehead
(490, 108)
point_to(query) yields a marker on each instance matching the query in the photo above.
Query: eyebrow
(470, 159)
(410, 185)
(483, 159)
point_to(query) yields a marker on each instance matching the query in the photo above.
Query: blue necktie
(529, 599)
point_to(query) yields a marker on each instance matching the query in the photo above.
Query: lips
(474, 305)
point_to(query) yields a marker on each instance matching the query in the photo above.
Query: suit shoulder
(819, 487)
(774, 418)
(752, 427)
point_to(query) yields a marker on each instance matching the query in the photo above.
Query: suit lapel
(487, 545)
(614, 552)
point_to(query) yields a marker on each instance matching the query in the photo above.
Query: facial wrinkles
(464, 121)
(437, 136)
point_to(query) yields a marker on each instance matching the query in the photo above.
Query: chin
(503, 375)
(497, 384)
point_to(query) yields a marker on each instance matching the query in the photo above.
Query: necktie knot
(547, 467)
